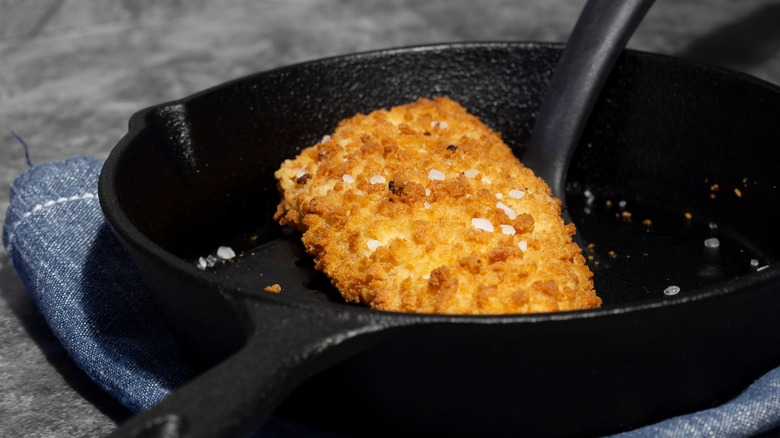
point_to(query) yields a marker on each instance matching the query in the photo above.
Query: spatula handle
(602, 31)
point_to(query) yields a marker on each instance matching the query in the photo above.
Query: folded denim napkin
(87, 289)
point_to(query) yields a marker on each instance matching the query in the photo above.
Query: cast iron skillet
(667, 137)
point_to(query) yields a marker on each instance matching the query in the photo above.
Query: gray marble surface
(72, 72)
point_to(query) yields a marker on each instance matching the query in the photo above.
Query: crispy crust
(396, 206)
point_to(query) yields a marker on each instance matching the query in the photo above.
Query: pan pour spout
(602, 31)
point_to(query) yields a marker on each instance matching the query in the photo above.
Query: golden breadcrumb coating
(422, 208)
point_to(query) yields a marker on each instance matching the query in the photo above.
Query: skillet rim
(129, 235)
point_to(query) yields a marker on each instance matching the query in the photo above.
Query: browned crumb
(422, 208)
(274, 288)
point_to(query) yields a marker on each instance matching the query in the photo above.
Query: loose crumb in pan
(437, 216)
(274, 288)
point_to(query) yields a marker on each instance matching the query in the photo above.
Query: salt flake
(517, 194)
(225, 252)
(672, 290)
(523, 245)
(507, 209)
(482, 224)
(712, 243)
(436, 175)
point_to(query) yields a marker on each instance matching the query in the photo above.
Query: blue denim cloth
(88, 291)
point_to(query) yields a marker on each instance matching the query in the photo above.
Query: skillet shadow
(35, 326)
(742, 44)
(126, 327)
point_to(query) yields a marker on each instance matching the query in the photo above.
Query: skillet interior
(198, 173)
(663, 135)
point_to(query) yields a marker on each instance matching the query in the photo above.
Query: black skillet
(692, 149)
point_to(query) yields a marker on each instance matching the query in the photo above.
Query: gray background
(73, 71)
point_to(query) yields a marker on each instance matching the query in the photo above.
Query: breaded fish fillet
(422, 208)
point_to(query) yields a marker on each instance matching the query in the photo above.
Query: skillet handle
(235, 397)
